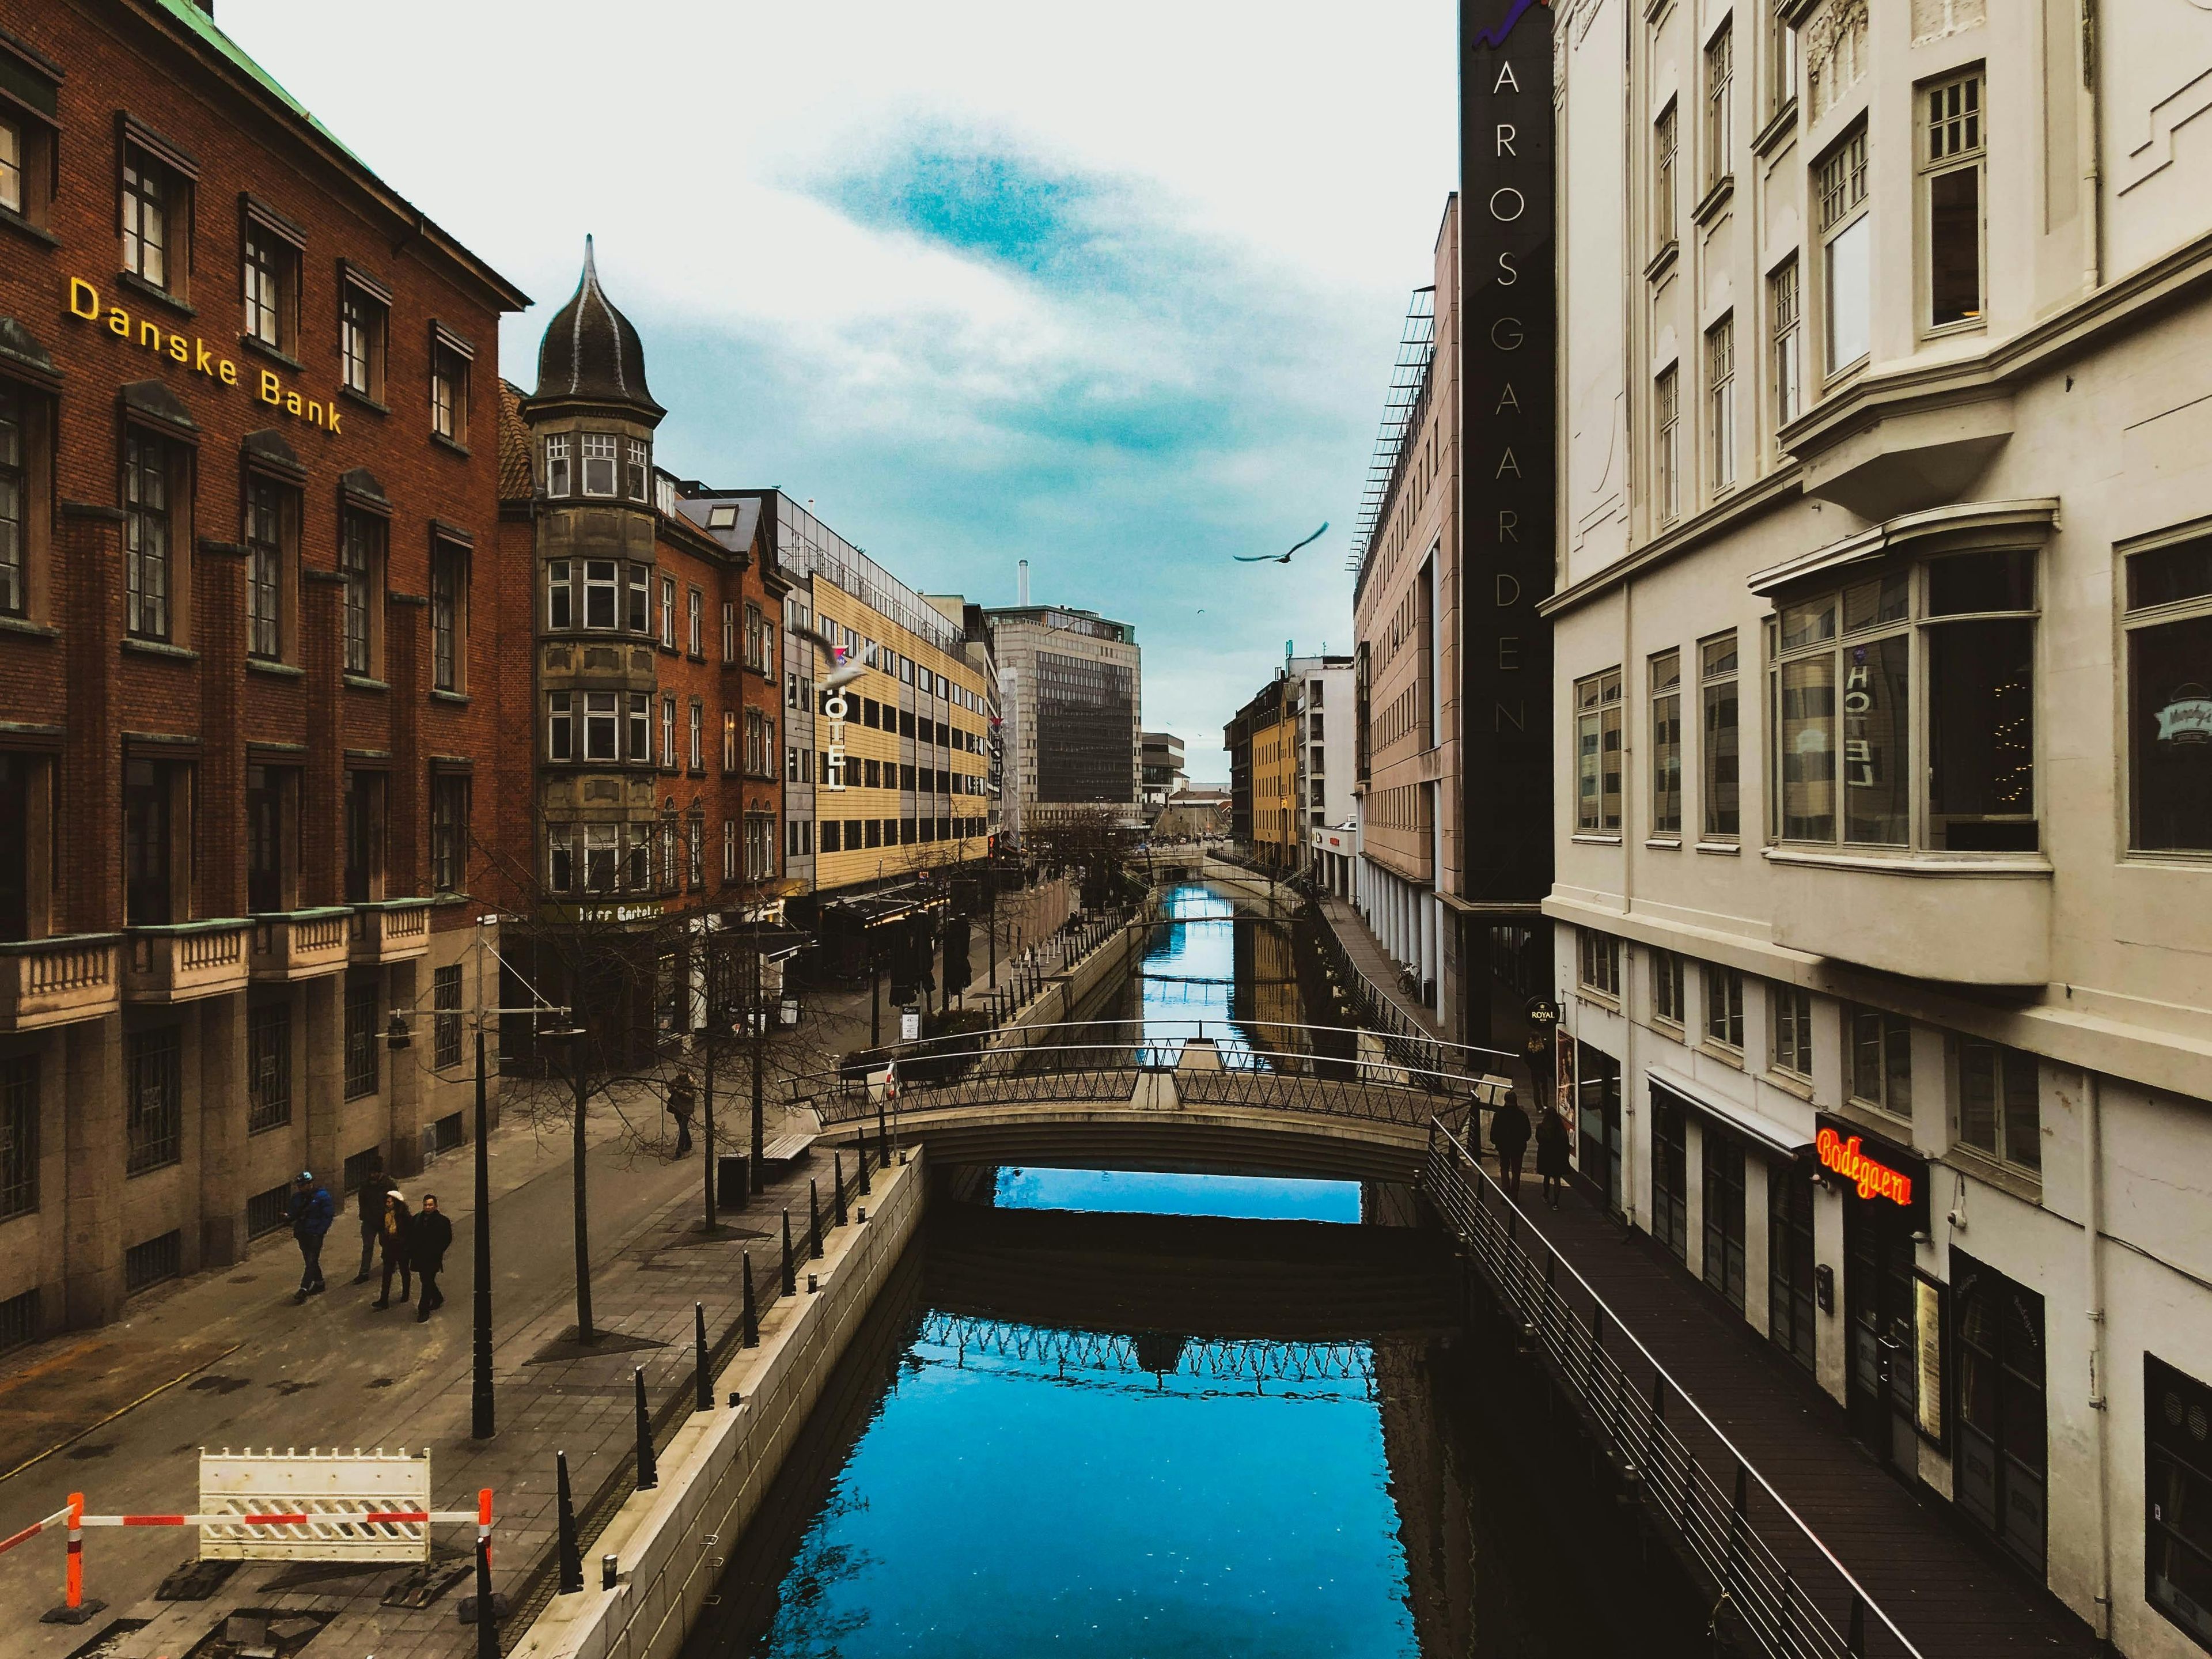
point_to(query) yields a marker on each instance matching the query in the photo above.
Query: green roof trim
(189, 14)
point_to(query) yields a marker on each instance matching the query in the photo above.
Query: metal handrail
(1716, 1527)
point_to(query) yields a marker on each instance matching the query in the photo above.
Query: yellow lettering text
(226, 372)
(272, 392)
(292, 404)
(84, 299)
(331, 417)
(149, 335)
(178, 350)
(118, 321)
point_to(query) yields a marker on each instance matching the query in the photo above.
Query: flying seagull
(845, 670)
(1280, 558)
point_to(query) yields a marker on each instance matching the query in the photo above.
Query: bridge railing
(1784, 1592)
(1113, 1072)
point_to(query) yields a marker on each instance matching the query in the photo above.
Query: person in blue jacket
(311, 1214)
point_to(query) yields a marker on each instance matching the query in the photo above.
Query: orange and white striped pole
(76, 1599)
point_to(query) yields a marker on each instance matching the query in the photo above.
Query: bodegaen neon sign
(1872, 1178)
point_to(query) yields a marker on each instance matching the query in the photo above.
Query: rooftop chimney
(1022, 584)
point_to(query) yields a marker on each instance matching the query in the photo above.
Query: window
(637, 846)
(638, 469)
(729, 632)
(445, 1020)
(832, 835)
(266, 844)
(1666, 988)
(1720, 91)
(266, 513)
(638, 747)
(668, 732)
(153, 1260)
(449, 390)
(1724, 1213)
(730, 740)
(695, 614)
(1790, 1299)
(1665, 681)
(1663, 180)
(1724, 1006)
(695, 839)
(2169, 645)
(599, 857)
(1716, 689)
(449, 834)
(1999, 1111)
(600, 448)
(19, 1135)
(1597, 752)
(1844, 663)
(155, 1108)
(363, 1034)
(11, 165)
(698, 736)
(600, 734)
(271, 277)
(364, 320)
(14, 586)
(1846, 251)
(149, 799)
(1781, 57)
(448, 605)
(668, 612)
(361, 562)
(1878, 1060)
(2177, 1497)
(1783, 310)
(1598, 962)
(560, 595)
(1950, 163)
(1670, 1174)
(362, 811)
(760, 744)
(268, 1066)
(757, 649)
(1667, 458)
(760, 847)
(155, 201)
(560, 726)
(1720, 400)
(561, 858)
(602, 584)
(1791, 1013)
(148, 532)
(556, 464)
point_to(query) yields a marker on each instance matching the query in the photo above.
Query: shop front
(2000, 1475)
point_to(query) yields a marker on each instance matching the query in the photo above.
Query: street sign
(909, 1027)
(344, 1500)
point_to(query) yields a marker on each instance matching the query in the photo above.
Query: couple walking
(1509, 1134)
(411, 1243)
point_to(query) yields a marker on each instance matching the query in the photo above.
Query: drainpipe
(2093, 1233)
(2093, 173)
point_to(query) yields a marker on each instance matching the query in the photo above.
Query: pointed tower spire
(591, 354)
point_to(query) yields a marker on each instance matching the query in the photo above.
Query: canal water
(1112, 1414)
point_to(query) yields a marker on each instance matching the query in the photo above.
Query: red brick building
(650, 622)
(248, 467)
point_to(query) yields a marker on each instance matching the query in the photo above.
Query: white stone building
(1883, 636)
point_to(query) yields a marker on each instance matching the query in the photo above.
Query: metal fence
(1779, 1589)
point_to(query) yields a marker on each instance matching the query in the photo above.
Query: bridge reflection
(1157, 1354)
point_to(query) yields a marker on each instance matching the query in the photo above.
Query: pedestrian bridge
(1215, 1102)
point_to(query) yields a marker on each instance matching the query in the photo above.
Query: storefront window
(1670, 1173)
(1724, 1213)
(1789, 1296)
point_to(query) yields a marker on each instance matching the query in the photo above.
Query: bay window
(639, 620)
(599, 857)
(599, 451)
(598, 725)
(638, 469)
(560, 725)
(599, 586)
(1846, 661)
(640, 728)
(556, 464)
(2169, 686)
(1846, 251)
(560, 596)
(1951, 160)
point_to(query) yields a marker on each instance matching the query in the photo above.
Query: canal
(1130, 1413)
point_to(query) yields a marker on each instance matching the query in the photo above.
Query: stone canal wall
(671, 1543)
(1064, 994)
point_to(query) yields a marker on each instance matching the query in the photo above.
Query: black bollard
(752, 1338)
(813, 1220)
(487, 1613)
(706, 1382)
(861, 1158)
(572, 1557)
(837, 1187)
(882, 1139)
(648, 1471)
(790, 1280)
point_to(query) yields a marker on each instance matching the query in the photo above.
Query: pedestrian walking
(312, 1213)
(427, 1241)
(394, 1230)
(1553, 1146)
(683, 1101)
(1509, 1136)
(368, 1210)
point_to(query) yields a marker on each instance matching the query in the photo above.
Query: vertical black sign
(1508, 327)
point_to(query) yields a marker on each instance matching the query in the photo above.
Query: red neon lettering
(1871, 1177)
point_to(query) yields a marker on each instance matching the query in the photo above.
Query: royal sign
(1873, 1179)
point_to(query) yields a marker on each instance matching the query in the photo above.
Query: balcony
(184, 961)
(50, 981)
(293, 945)
(1984, 920)
(391, 930)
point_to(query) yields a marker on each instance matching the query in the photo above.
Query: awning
(1786, 1139)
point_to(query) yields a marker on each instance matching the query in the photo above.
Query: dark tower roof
(591, 354)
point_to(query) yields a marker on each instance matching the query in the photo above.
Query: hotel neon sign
(1872, 1178)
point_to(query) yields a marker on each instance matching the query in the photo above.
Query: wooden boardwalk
(1949, 1591)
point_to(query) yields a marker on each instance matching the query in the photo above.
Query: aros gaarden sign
(1508, 327)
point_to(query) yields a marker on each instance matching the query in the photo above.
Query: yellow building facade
(1275, 830)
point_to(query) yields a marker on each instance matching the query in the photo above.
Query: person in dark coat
(311, 1213)
(683, 1101)
(427, 1241)
(1509, 1134)
(392, 1230)
(1554, 1147)
(368, 1210)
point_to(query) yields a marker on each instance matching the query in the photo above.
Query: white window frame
(1951, 139)
(1846, 229)
(1720, 401)
(599, 454)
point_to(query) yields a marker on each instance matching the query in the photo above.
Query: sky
(1115, 290)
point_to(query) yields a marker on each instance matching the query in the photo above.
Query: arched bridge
(1215, 1102)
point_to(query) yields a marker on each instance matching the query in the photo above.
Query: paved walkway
(1950, 1593)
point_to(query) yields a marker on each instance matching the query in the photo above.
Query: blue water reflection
(1117, 1192)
